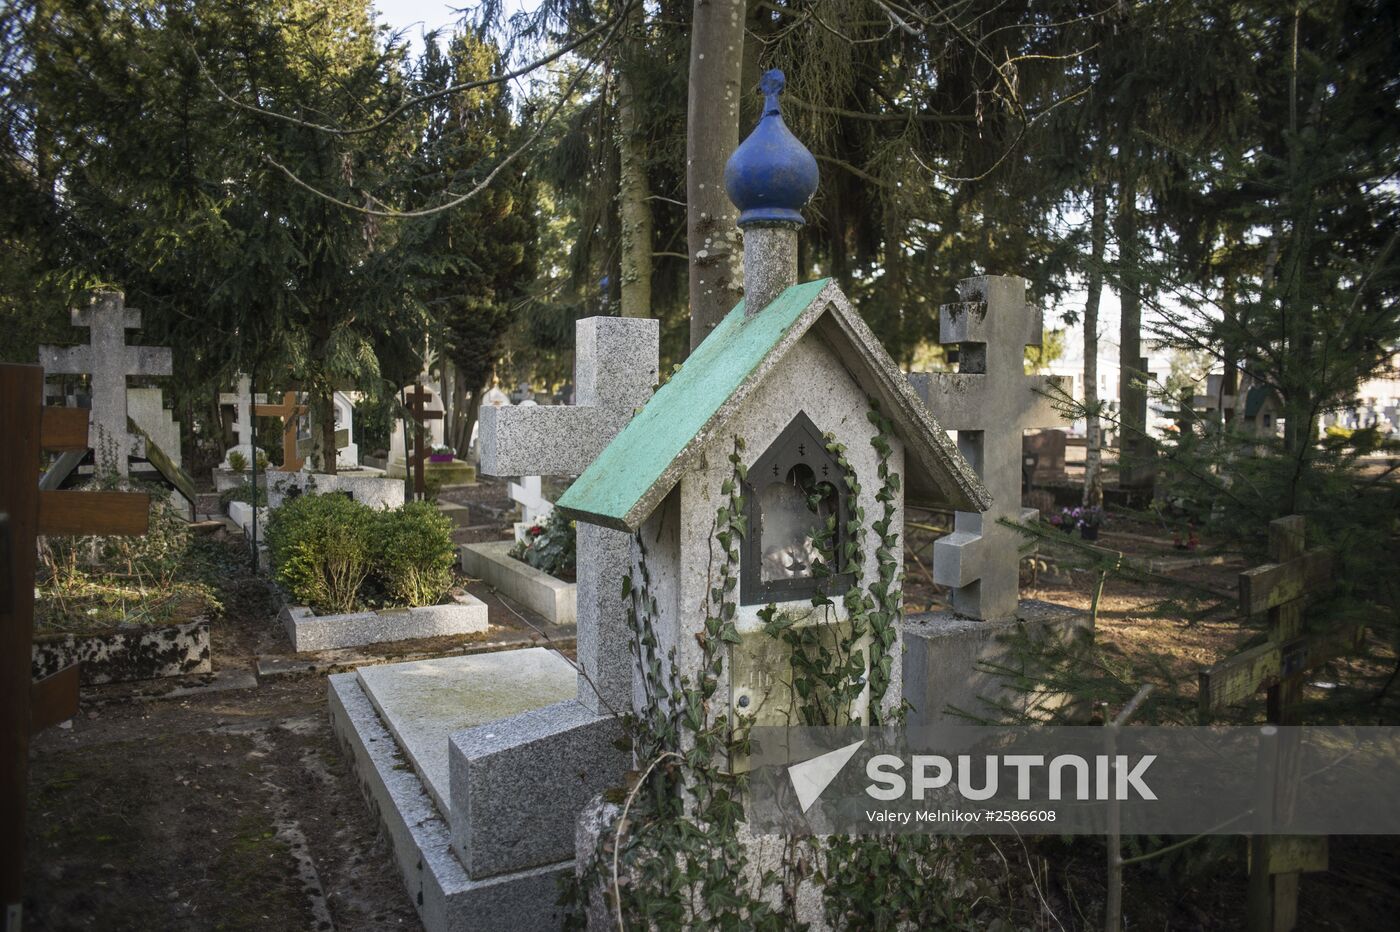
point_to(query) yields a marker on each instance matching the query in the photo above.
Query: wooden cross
(27, 707)
(417, 400)
(1280, 665)
(289, 411)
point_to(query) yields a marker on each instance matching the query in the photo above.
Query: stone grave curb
(445, 897)
(311, 632)
(123, 655)
(553, 599)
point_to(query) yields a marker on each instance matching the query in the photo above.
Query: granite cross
(108, 360)
(421, 414)
(990, 402)
(289, 411)
(242, 402)
(615, 369)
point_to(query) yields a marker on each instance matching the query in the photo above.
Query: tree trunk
(712, 134)
(1133, 468)
(633, 191)
(1093, 450)
(323, 431)
(472, 414)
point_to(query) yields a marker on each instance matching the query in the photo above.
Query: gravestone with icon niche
(767, 478)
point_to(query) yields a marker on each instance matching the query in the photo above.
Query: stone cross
(109, 361)
(242, 402)
(990, 402)
(615, 369)
(417, 408)
(289, 411)
(534, 507)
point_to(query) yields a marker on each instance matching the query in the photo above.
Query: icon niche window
(797, 492)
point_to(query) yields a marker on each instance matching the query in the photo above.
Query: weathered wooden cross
(289, 411)
(615, 368)
(990, 402)
(26, 707)
(1280, 665)
(417, 408)
(108, 361)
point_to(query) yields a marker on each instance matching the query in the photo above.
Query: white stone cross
(615, 368)
(242, 402)
(990, 402)
(108, 360)
(534, 507)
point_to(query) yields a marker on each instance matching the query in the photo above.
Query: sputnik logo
(811, 777)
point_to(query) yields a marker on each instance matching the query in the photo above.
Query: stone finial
(770, 178)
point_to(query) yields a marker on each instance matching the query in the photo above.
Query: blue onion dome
(771, 176)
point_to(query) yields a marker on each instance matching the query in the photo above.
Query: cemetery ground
(223, 802)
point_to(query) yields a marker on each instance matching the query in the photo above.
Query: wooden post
(421, 415)
(27, 429)
(1280, 665)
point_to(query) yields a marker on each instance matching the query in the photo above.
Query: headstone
(242, 402)
(615, 368)
(348, 454)
(990, 402)
(1048, 449)
(146, 406)
(109, 361)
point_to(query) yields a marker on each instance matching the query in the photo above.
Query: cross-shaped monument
(528, 493)
(289, 411)
(615, 369)
(242, 402)
(417, 408)
(990, 402)
(109, 361)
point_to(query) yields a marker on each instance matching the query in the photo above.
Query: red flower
(536, 531)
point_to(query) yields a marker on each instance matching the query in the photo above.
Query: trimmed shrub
(414, 553)
(320, 547)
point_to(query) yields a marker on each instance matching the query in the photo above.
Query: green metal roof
(637, 457)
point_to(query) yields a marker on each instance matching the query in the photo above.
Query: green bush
(413, 553)
(320, 547)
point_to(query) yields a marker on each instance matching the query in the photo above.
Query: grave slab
(447, 899)
(424, 702)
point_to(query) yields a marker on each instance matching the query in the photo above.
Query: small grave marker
(1281, 588)
(418, 399)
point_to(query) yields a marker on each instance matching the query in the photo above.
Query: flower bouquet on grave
(1188, 541)
(1067, 520)
(440, 454)
(1089, 522)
